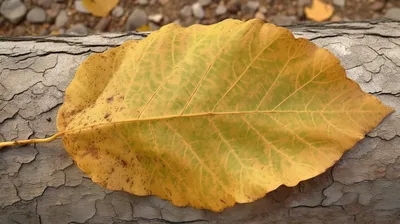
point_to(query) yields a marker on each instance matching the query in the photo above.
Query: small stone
(19, 31)
(138, 18)
(61, 31)
(188, 21)
(336, 18)
(13, 10)
(36, 15)
(102, 25)
(204, 2)
(143, 2)
(156, 18)
(282, 20)
(80, 7)
(253, 5)
(378, 5)
(79, 28)
(61, 19)
(154, 26)
(340, 3)
(117, 11)
(53, 11)
(220, 10)
(233, 6)
(197, 10)
(260, 15)
(263, 9)
(393, 13)
(163, 2)
(291, 11)
(45, 3)
(186, 11)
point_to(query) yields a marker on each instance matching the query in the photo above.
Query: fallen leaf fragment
(144, 28)
(100, 8)
(319, 11)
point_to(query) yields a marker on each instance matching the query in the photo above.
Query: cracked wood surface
(41, 184)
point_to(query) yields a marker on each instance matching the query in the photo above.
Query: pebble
(36, 15)
(156, 18)
(163, 2)
(253, 5)
(260, 15)
(80, 7)
(282, 20)
(220, 10)
(103, 24)
(186, 11)
(53, 11)
(143, 2)
(197, 10)
(138, 18)
(117, 11)
(13, 10)
(263, 9)
(233, 6)
(378, 5)
(19, 31)
(45, 3)
(335, 18)
(62, 19)
(204, 2)
(340, 3)
(393, 13)
(79, 29)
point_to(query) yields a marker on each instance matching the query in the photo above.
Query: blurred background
(53, 17)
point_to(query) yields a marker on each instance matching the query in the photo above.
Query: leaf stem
(30, 141)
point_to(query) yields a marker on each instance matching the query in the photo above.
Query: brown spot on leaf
(110, 99)
(107, 115)
(94, 152)
(123, 162)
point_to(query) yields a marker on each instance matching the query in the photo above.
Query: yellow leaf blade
(208, 116)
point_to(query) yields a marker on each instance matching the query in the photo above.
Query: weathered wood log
(41, 184)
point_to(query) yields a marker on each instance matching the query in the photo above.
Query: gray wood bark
(41, 184)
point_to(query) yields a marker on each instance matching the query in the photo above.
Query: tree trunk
(41, 184)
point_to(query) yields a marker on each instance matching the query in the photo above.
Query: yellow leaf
(144, 28)
(208, 116)
(319, 11)
(100, 7)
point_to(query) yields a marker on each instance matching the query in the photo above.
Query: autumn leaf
(319, 11)
(100, 7)
(209, 116)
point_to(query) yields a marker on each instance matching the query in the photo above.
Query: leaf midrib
(217, 114)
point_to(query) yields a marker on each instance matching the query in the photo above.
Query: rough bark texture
(41, 184)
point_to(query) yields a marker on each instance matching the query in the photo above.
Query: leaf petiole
(30, 141)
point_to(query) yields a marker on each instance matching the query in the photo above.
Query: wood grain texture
(40, 184)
